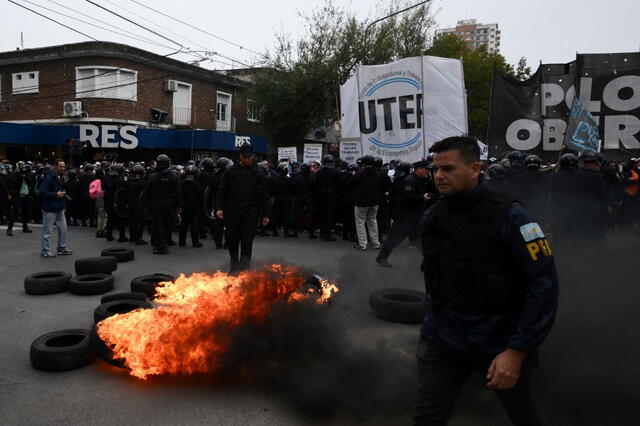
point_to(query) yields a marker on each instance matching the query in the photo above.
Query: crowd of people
(370, 203)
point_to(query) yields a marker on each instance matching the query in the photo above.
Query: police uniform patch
(539, 248)
(408, 187)
(531, 231)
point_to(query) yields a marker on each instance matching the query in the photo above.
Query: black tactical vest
(468, 266)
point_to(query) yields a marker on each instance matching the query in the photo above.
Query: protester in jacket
(53, 207)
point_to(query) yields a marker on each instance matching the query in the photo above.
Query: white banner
(350, 151)
(312, 152)
(287, 152)
(349, 108)
(404, 107)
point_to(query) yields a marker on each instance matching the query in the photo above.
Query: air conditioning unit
(170, 86)
(72, 109)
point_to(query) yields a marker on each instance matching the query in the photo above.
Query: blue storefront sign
(113, 136)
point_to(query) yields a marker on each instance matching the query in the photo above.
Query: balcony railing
(181, 116)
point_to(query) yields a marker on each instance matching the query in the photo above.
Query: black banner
(536, 120)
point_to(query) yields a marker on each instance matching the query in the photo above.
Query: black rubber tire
(91, 284)
(118, 307)
(48, 282)
(61, 350)
(120, 296)
(100, 349)
(399, 305)
(122, 254)
(147, 283)
(96, 265)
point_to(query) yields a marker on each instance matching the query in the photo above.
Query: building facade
(476, 34)
(121, 102)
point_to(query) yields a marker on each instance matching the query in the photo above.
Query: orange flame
(191, 327)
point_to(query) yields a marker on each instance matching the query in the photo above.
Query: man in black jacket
(165, 199)
(21, 189)
(367, 188)
(192, 196)
(242, 198)
(87, 208)
(492, 291)
(327, 196)
(304, 202)
(137, 218)
(281, 189)
(413, 200)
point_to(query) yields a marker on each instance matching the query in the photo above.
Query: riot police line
(580, 196)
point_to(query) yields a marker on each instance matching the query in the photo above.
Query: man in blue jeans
(53, 206)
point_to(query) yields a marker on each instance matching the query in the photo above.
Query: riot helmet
(496, 172)
(328, 161)
(533, 162)
(568, 162)
(163, 162)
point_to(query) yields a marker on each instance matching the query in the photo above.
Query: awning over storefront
(112, 136)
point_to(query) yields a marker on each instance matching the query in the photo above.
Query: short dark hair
(58, 161)
(467, 146)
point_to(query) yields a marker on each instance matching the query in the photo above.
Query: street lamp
(366, 30)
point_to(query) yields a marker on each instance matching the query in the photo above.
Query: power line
(196, 28)
(207, 49)
(107, 23)
(134, 23)
(51, 19)
(130, 34)
(102, 22)
(158, 27)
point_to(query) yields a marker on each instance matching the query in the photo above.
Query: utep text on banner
(399, 110)
(532, 115)
(582, 129)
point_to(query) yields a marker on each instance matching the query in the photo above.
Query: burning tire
(399, 305)
(121, 296)
(61, 350)
(122, 254)
(48, 282)
(91, 284)
(118, 307)
(100, 349)
(96, 265)
(147, 283)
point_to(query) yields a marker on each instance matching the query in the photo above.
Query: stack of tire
(69, 349)
(75, 348)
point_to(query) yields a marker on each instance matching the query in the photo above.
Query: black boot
(26, 229)
(9, 232)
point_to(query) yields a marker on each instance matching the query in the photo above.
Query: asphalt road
(589, 363)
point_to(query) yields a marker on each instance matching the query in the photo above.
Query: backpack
(95, 188)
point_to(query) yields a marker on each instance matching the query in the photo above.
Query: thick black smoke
(319, 358)
(337, 361)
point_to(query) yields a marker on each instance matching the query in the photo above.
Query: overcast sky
(551, 31)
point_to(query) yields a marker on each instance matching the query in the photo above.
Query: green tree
(298, 83)
(298, 86)
(479, 66)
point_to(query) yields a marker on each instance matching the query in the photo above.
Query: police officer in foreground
(242, 199)
(165, 200)
(492, 290)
